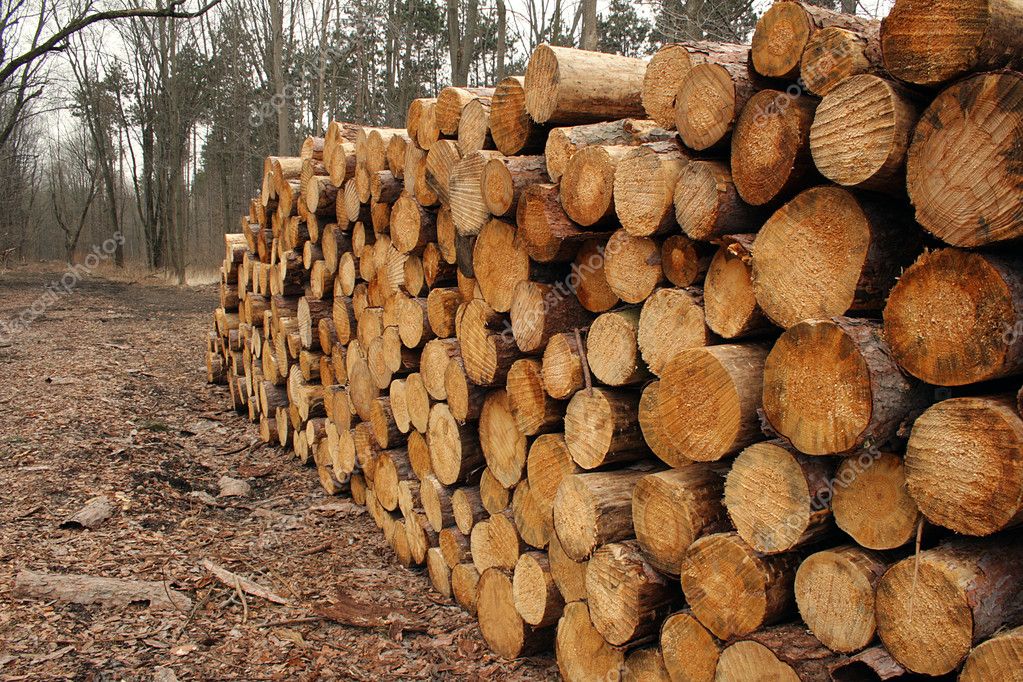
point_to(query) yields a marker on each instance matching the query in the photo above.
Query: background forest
(152, 119)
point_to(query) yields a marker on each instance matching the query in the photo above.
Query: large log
(861, 133)
(451, 103)
(835, 595)
(730, 302)
(771, 157)
(999, 658)
(567, 86)
(540, 311)
(583, 654)
(828, 252)
(670, 65)
(709, 399)
(968, 137)
(631, 266)
(504, 446)
(628, 599)
(709, 101)
(513, 130)
(834, 54)
(872, 503)
(644, 188)
(707, 205)
(601, 427)
(587, 186)
(690, 652)
(505, 632)
(831, 386)
(964, 464)
(563, 143)
(783, 32)
(612, 348)
(933, 607)
(593, 509)
(779, 499)
(671, 321)
(785, 652)
(954, 317)
(734, 590)
(672, 509)
(930, 43)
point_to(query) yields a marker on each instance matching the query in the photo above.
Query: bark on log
(828, 252)
(933, 607)
(967, 138)
(785, 652)
(964, 464)
(861, 133)
(954, 317)
(831, 386)
(544, 229)
(568, 86)
(930, 43)
(672, 509)
(732, 589)
(709, 399)
(563, 143)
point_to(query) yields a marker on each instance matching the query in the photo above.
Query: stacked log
(662, 401)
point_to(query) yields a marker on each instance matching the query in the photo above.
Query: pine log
(834, 54)
(428, 132)
(436, 270)
(499, 263)
(392, 466)
(732, 589)
(563, 143)
(539, 311)
(782, 34)
(601, 427)
(451, 102)
(785, 652)
(562, 366)
(434, 363)
(583, 654)
(441, 305)
(968, 137)
(684, 261)
(569, 575)
(999, 658)
(417, 401)
(465, 186)
(419, 455)
(532, 516)
(930, 43)
(495, 543)
(628, 599)
(467, 507)
(650, 424)
(441, 158)
(533, 410)
(872, 503)
(779, 499)
(709, 398)
(587, 186)
(632, 266)
(464, 584)
(487, 356)
(709, 100)
(771, 157)
(591, 284)
(690, 652)
(592, 509)
(474, 126)
(828, 252)
(544, 229)
(454, 448)
(397, 148)
(412, 226)
(669, 67)
(933, 607)
(504, 178)
(465, 399)
(436, 501)
(672, 509)
(861, 133)
(537, 599)
(964, 464)
(730, 303)
(414, 115)
(439, 571)
(503, 629)
(511, 127)
(568, 86)
(644, 187)
(672, 320)
(954, 317)
(835, 596)
(454, 547)
(613, 349)
(831, 386)
(504, 446)
(707, 204)
(547, 464)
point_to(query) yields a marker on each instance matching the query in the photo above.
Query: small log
(569, 575)
(454, 547)
(669, 67)
(504, 446)
(934, 606)
(707, 204)
(568, 86)
(672, 509)
(591, 283)
(831, 386)
(439, 571)
(684, 261)
(644, 188)
(474, 126)
(834, 54)
(454, 448)
(835, 596)
(592, 509)
(872, 502)
(495, 543)
(511, 127)
(601, 427)
(732, 589)
(632, 266)
(709, 100)
(730, 303)
(583, 654)
(534, 411)
(690, 652)
(436, 501)
(587, 186)
(672, 320)
(563, 143)
(417, 401)
(537, 599)
(467, 508)
(504, 178)
(562, 366)
(612, 348)
(962, 464)
(451, 102)
(465, 185)
(532, 516)
(464, 586)
(495, 496)
(539, 311)
(87, 589)
(999, 658)
(628, 599)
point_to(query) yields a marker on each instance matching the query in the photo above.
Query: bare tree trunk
(589, 37)
(502, 39)
(284, 146)
(849, 6)
(321, 72)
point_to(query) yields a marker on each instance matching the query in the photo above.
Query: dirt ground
(104, 393)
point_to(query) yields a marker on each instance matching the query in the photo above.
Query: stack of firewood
(653, 363)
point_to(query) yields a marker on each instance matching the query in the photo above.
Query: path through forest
(104, 394)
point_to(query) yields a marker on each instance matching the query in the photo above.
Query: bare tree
(462, 39)
(73, 185)
(589, 35)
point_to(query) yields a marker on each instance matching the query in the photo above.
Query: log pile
(718, 387)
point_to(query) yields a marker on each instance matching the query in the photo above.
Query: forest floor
(104, 393)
